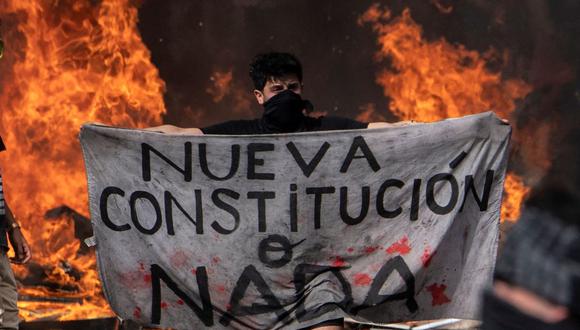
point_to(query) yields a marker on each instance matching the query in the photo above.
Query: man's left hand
(20, 245)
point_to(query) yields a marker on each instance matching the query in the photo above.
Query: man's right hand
(170, 129)
(380, 124)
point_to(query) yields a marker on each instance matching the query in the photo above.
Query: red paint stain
(220, 288)
(141, 266)
(164, 304)
(179, 259)
(137, 313)
(362, 279)
(337, 261)
(194, 271)
(370, 249)
(401, 246)
(216, 260)
(350, 250)
(180, 302)
(147, 278)
(134, 280)
(427, 257)
(438, 294)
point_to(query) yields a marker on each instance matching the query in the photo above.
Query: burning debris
(430, 81)
(58, 282)
(69, 62)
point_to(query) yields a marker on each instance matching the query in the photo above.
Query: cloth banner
(289, 230)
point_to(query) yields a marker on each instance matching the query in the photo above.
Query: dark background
(192, 40)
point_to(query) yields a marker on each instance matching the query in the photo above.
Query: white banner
(293, 229)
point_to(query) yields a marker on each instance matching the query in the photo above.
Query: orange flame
(221, 85)
(430, 81)
(516, 192)
(368, 113)
(441, 7)
(224, 88)
(66, 63)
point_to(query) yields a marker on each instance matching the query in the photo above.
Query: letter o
(432, 203)
(275, 243)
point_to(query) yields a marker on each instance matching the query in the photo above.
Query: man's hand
(20, 245)
(170, 129)
(380, 124)
(530, 303)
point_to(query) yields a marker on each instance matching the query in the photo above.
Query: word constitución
(411, 194)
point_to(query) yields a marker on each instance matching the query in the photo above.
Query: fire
(221, 85)
(430, 81)
(516, 193)
(66, 63)
(368, 113)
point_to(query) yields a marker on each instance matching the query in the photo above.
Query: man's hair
(273, 65)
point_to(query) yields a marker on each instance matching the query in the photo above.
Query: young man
(8, 290)
(278, 87)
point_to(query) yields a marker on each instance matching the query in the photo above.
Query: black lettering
(470, 186)
(381, 199)
(138, 195)
(293, 208)
(254, 148)
(146, 161)
(317, 192)
(374, 297)
(205, 312)
(457, 160)
(170, 200)
(364, 209)
(104, 210)
(415, 200)
(273, 305)
(234, 164)
(276, 243)
(359, 143)
(261, 196)
(307, 169)
(226, 207)
(301, 280)
(432, 203)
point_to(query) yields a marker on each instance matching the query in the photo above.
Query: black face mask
(283, 112)
(500, 315)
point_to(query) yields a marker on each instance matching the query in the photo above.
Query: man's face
(277, 85)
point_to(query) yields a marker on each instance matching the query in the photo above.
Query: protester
(537, 279)
(277, 79)
(8, 290)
